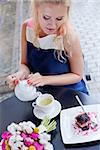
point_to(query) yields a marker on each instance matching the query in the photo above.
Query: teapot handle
(37, 94)
(34, 104)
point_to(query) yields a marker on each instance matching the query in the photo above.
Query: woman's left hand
(36, 79)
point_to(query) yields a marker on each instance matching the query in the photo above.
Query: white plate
(67, 117)
(56, 110)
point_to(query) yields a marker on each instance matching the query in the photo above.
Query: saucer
(56, 110)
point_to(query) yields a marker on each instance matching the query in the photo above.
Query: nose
(53, 24)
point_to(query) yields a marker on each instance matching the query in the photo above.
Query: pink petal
(38, 146)
(35, 136)
(24, 135)
(3, 145)
(28, 142)
(6, 135)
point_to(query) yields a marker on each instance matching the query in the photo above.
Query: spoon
(79, 101)
(93, 120)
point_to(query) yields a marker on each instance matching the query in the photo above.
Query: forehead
(53, 9)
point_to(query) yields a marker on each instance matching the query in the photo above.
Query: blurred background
(85, 16)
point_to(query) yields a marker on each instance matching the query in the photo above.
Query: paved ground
(86, 18)
(85, 15)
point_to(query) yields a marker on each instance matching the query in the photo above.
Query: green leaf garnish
(50, 126)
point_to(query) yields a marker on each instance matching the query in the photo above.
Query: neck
(42, 33)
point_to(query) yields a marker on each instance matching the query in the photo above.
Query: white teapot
(26, 92)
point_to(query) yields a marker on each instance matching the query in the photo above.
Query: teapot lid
(24, 85)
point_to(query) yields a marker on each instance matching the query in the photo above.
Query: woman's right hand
(13, 79)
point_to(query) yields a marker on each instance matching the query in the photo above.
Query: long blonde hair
(61, 30)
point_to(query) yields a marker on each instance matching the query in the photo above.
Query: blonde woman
(50, 49)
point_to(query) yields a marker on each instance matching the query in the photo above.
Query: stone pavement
(85, 16)
(11, 18)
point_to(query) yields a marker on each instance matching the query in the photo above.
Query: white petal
(48, 146)
(29, 130)
(42, 128)
(43, 141)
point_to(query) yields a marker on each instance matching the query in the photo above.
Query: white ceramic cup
(45, 103)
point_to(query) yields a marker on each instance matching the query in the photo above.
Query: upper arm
(76, 58)
(23, 44)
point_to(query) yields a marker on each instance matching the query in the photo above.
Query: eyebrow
(60, 17)
(51, 16)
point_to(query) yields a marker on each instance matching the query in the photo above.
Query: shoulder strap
(29, 22)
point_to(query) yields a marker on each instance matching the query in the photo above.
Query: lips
(50, 31)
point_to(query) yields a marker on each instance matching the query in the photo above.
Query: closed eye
(46, 17)
(59, 18)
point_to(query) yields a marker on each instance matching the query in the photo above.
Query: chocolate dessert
(83, 121)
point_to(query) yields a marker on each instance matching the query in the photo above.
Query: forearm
(64, 79)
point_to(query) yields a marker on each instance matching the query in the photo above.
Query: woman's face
(51, 17)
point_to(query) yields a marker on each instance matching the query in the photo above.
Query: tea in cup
(45, 103)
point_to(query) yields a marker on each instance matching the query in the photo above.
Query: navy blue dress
(46, 63)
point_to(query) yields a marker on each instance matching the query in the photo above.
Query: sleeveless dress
(44, 59)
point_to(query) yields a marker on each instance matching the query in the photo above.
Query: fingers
(12, 81)
(16, 81)
(35, 80)
(35, 75)
(11, 86)
(37, 83)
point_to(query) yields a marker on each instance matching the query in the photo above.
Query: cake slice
(83, 121)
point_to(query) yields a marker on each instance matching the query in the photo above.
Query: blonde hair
(37, 28)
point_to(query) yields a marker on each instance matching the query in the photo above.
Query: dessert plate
(67, 121)
(55, 111)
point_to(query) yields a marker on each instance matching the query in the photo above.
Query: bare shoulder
(29, 22)
(73, 41)
(25, 24)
